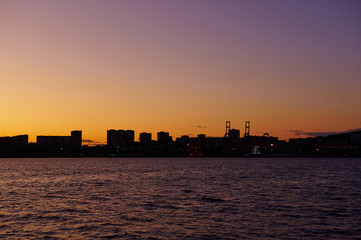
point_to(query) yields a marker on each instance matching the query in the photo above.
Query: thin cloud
(201, 126)
(296, 132)
(91, 142)
(189, 134)
(322, 134)
(319, 134)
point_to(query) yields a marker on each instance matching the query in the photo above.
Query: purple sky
(175, 65)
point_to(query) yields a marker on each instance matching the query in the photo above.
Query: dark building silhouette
(113, 138)
(15, 146)
(234, 134)
(120, 143)
(120, 137)
(263, 144)
(15, 140)
(59, 141)
(76, 138)
(145, 138)
(185, 138)
(346, 144)
(355, 138)
(72, 141)
(201, 136)
(163, 137)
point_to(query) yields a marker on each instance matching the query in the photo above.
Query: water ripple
(180, 198)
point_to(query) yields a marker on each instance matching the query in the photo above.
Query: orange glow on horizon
(124, 65)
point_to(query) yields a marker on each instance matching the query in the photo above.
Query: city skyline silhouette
(123, 143)
(154, 136)
(180, 119)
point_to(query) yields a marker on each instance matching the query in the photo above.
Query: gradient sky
(180, 66)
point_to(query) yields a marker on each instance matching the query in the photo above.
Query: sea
(180, 198)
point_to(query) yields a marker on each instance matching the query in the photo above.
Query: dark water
(180, 198)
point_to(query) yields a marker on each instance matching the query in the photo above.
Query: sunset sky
(292, 68)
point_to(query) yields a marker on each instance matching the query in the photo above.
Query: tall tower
(247, 129)
(76, 138)
(228, 127)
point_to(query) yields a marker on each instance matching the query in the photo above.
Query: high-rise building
(129, 136)
(120, 137)
(145, 138)
(112, 138)
(76, 138)
(163, 137)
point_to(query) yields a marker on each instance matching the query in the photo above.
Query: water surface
(150, 198)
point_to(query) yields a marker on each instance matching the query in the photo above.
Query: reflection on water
(180, 198)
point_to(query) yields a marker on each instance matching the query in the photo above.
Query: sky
(289, 67)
